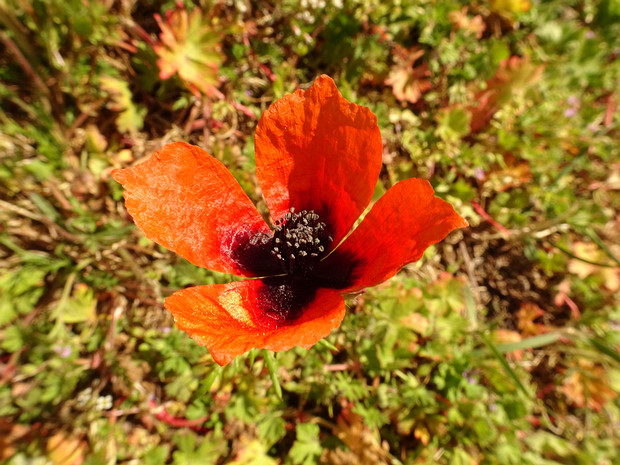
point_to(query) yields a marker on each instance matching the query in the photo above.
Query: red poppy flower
(318, 158)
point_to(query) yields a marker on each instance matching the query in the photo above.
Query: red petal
(225, 318)
(397, 230)
(317, 151)
(187, 201)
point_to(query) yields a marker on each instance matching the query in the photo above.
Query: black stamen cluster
(299, 241)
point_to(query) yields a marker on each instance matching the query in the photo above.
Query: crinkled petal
(231, 319)
(187, 201)
(397, 230)
(317, 151)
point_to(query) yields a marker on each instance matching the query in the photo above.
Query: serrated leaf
(528, 312)
(407, 80)
(156, 455)
(209, 450)
(78, 308)
(588, 386)
(272, 428)
(252, 453)
(19, 292)
(306, 448)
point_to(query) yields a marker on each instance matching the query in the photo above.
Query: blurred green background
(500, 346)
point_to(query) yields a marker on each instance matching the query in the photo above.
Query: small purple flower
(63, 351)
(590, 34)
(479, 173)
(468, 376)
(570, 112)
(573, 104)
(493, 407)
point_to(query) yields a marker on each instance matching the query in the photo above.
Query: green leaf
(546, 443)
(156, 455)
(12, 339)
(182, 387)
(271, 428)
(306, 449)
(373, 417)
(131, 116)
(206, 383)
(244, 407)
(19, 292)
(453, 124)
(209, 451)
(78, 308)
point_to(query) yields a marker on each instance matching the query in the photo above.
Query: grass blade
(507, 368)
(592, 235)
(530, 342)
(270, 361)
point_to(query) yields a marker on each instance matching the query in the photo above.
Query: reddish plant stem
(488, 218)
(609, 114)
(177, 422)
(19, 57)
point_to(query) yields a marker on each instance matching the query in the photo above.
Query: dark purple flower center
(300, 240)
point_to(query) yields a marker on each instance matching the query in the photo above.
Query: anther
(300, 239)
